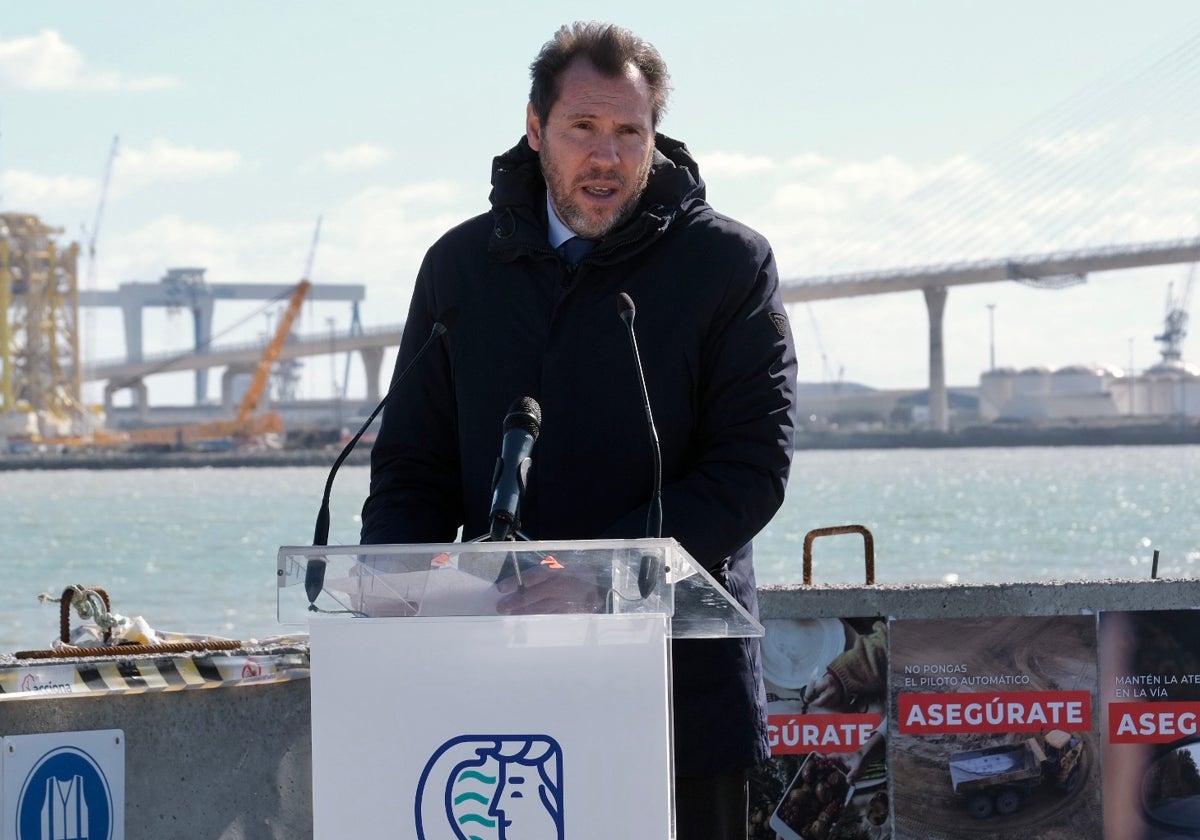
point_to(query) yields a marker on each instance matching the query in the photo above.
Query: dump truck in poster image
(998, 780)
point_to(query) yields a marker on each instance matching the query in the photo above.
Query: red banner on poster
(801, 734)
(967, 713)
(1152, 723)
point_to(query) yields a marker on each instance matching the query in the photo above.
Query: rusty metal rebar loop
(837, 530)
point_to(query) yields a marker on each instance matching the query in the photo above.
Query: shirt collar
(559, 232)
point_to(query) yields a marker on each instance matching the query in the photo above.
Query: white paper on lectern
(445, 591)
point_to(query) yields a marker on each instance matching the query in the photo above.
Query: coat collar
(518, 201)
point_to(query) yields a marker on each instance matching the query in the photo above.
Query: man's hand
(826, 691)
(550, 589)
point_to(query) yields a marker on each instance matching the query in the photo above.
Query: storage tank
(995, 389)
(1079, 379)
(1173, 389)
(1032, 381)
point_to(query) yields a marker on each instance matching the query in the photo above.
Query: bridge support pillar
(939, 408)
(141, 397)
(131, 315)
(228, 401)
(372, 363)
(202, 316)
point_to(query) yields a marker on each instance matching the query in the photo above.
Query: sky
(863, 134)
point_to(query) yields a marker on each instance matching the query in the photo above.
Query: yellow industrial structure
(41, 380)
(41, 375)
(247, 423)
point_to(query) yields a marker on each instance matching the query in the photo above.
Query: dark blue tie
(576, 248)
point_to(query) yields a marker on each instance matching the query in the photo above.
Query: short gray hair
(611, 49)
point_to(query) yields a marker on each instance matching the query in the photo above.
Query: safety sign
(64, 785)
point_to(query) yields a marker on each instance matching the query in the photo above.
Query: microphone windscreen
(525, 414)
(625, 306)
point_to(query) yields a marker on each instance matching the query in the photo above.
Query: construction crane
(247, 423)
(270, 356)
(93, 235)
(89, 325)
(1176, 319)
(834, 385)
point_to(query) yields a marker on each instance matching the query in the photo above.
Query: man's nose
(605, 149)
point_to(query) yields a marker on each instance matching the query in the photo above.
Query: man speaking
(594, 212)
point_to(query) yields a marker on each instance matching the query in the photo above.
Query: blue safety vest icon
(65, 797)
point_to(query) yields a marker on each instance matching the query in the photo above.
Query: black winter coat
(720, 369)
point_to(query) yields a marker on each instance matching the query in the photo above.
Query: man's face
(595, 147)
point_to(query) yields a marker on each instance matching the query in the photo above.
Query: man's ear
(533, 128)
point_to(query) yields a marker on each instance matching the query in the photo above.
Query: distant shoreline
(1002, 436)
(181, 460)
(975, 436)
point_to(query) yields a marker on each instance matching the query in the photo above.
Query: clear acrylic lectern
(439, 714)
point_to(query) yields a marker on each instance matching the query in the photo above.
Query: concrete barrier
(234, 762)
(989, 599)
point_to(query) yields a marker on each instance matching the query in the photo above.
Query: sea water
(194, 550)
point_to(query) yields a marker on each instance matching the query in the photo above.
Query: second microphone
(521, 428)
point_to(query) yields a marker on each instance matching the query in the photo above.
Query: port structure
(188, 288)
(39, 320)
(1175, 320)
(41, 366)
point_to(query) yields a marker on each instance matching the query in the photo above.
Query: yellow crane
(247, 423)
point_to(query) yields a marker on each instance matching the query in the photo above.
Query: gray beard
(582, 225)
(576, 219)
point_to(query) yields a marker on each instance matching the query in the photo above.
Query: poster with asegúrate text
(1150, 723)
(992, 728)
(826, 682)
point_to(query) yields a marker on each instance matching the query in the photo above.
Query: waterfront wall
(234, 762)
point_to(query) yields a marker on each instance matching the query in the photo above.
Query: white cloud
(23, 191)
(159, 163)
(1169, 160)
(163, 161)
(377, 236)
(1071, 145)
(733, 164)
(380, 236)
(351, 159)
(827, 216)
(808, 162)
(46, 62)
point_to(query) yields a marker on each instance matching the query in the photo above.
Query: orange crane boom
(246, 423)
(270, 356)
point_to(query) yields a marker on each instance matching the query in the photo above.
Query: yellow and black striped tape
(144, 674)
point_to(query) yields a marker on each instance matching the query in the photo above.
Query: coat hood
(518, 195)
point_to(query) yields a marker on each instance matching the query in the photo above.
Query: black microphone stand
(314, 572)
(648, 572)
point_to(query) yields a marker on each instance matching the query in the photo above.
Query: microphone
(314, 573)
(648, 571)
(521, 429)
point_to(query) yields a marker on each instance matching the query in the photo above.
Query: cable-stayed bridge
(934, 281)
(1051, 269)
